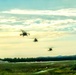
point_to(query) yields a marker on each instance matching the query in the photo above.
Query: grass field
(39, 68)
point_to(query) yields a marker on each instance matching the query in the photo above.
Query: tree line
(39, 59)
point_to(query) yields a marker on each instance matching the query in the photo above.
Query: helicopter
(24, 33)
(50, 49)
(35, 40)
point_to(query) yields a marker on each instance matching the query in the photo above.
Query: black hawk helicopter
(35, 40)
(50, 49)
(24, 33)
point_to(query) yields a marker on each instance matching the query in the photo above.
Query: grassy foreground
(39, 68)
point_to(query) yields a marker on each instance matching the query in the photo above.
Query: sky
(52, 22)
(37, 4)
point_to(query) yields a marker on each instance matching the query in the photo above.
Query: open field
(39, 68)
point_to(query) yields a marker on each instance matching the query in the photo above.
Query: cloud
(5, 19)
(40, 24)
(61, 12)
(36, 24)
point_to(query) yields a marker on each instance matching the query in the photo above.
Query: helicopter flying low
(24, 33)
